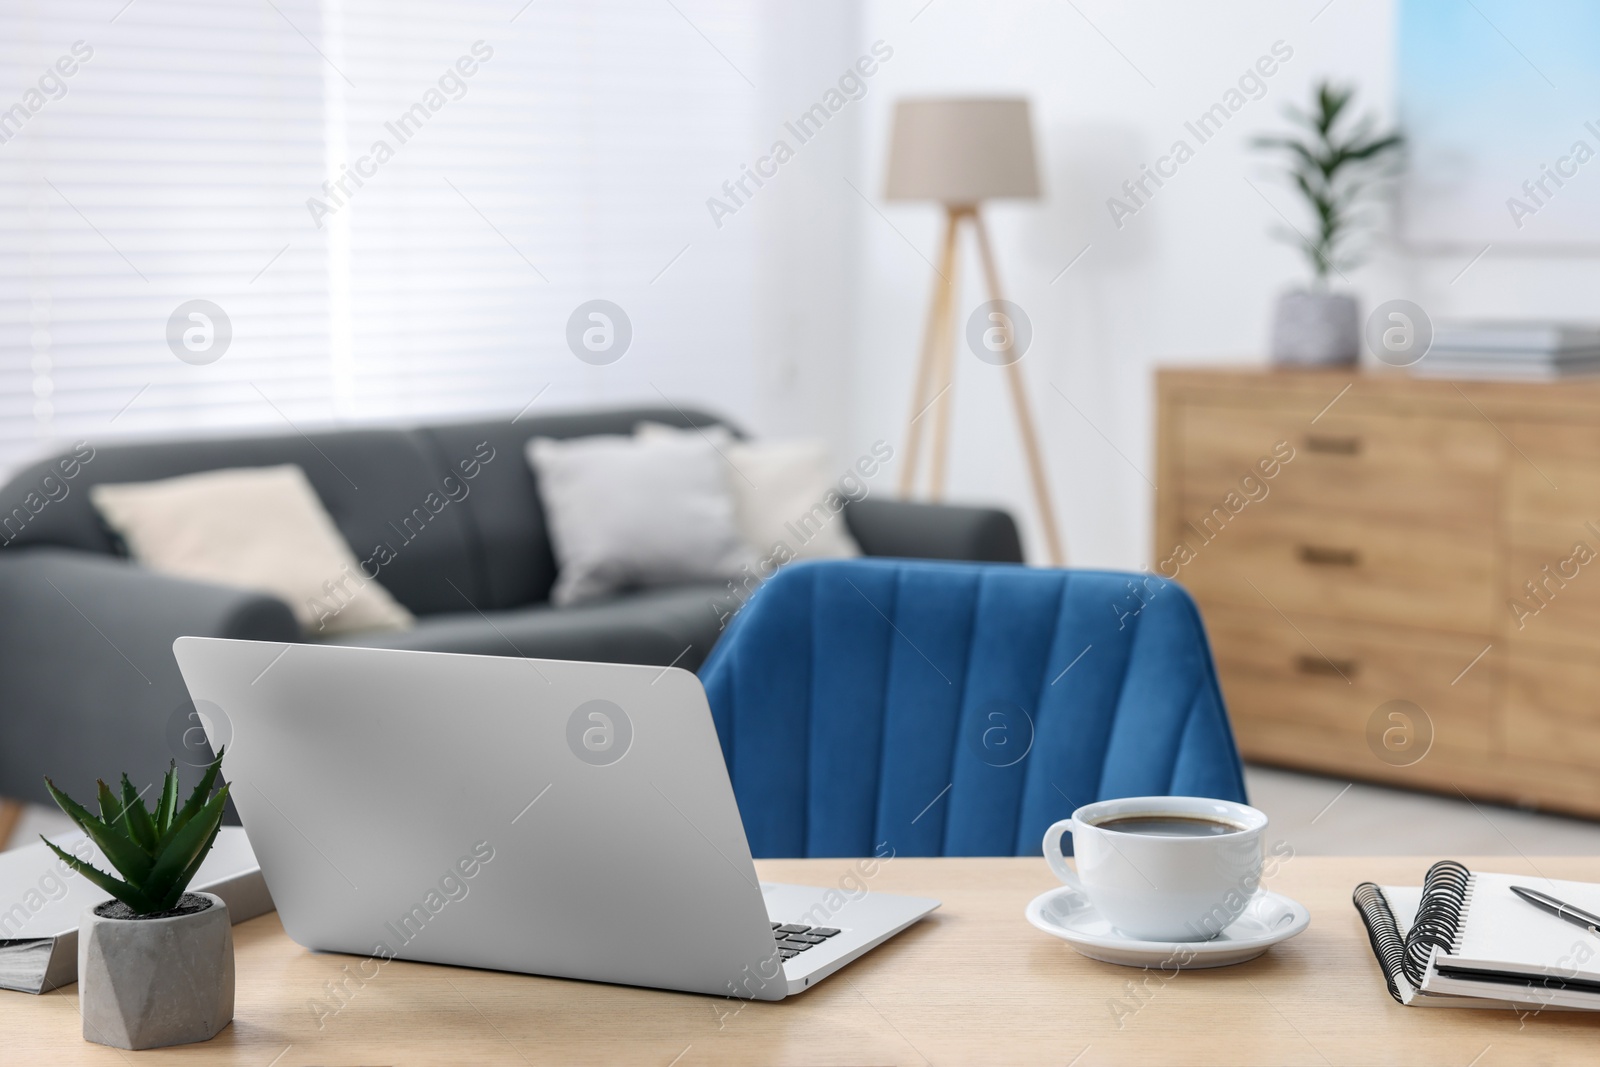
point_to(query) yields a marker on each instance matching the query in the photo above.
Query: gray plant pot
(146, 983)
(1316, 329)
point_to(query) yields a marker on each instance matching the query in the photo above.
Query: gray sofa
(87, 674)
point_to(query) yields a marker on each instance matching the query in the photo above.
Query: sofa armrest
(933, 531)
(91, 686)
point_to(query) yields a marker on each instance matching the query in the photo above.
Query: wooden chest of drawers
(1401, 576)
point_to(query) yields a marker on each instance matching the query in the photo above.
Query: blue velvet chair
(959, 709)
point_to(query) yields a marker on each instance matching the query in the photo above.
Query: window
(391, 208)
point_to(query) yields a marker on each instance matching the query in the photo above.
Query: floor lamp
(961, 153)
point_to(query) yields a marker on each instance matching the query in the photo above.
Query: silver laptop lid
(551, 817)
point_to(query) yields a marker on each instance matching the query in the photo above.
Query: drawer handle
(1333, 446)
(1329, 557)
(1342, 668)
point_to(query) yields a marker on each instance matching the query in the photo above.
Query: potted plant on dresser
(155, 963)
(1335, 172)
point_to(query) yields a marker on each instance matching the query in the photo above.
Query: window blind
(395, 206)
(162, 170)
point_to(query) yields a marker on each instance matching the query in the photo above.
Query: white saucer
(1268, 919)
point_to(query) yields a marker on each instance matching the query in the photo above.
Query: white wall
(1189, 279)
(802, 313)
(804, 322)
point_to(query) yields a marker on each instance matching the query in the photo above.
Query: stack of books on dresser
(1541, 351)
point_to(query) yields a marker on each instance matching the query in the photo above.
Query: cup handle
(1054, 857)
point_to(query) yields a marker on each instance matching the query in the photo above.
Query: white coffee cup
(1157, 887)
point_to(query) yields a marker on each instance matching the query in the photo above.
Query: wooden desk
(973, 984)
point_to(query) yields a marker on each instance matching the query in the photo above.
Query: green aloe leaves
(157, 853)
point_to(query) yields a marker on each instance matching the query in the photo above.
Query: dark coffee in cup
(1169, 825)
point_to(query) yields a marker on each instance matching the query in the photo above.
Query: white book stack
(42, 901)
(1540, 351)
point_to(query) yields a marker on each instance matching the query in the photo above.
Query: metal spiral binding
(1438, 923)
(1383, 932)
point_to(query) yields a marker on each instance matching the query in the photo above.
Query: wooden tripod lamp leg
(933, 370)
(1019, 399)
(945, 354)
(925, 390)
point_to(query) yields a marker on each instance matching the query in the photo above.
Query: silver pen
(1559, 908)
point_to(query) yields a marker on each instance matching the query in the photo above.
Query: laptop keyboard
(794, 938)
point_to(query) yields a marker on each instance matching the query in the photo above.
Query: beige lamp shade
(961, 151)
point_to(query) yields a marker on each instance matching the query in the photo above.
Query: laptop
(548, 817)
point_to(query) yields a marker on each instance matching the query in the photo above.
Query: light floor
(1317, 817)
(1333, 817)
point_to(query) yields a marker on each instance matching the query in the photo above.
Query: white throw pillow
(257, 527)
(783, 493)
(624, 512)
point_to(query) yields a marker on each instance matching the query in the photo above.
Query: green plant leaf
(1295, 148)
(126, 856)
(1373, 148)
(187, 875)
(196, 801)
(1304, 185)
(180, 850)
(169, 800)
(136, 817)
(1299, 117)
(130, 895)
(1331, 157)
(1331, 102)
(110, 806)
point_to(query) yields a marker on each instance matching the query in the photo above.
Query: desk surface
(972, 984)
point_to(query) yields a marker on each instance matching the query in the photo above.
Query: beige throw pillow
(258, 528)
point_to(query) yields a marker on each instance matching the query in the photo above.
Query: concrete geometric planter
(146, 983)
(1315, 329)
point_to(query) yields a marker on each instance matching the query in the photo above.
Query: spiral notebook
(1464, 940)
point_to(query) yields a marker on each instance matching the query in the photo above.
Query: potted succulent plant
(1335, 173)
(155, 964)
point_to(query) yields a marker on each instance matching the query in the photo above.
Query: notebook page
(1403, 901)
(1502, 932)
